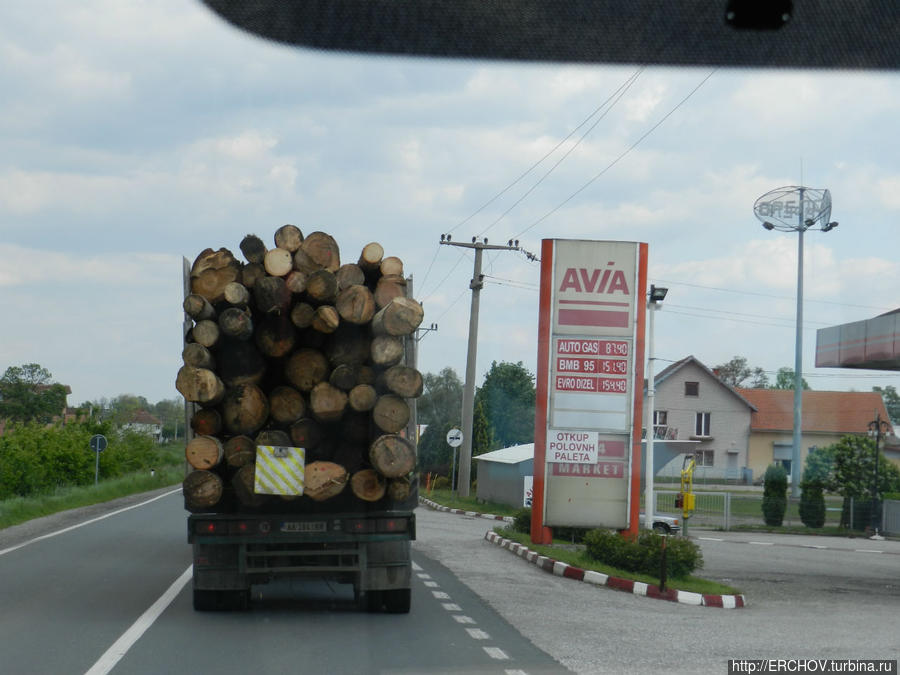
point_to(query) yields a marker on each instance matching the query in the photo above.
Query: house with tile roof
(692, 403)
(144, 423)
(827, 416)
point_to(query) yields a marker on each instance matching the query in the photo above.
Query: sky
(135, 134)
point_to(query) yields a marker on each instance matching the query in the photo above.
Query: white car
(662, 524)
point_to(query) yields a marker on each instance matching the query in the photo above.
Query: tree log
(204, 452)
(271, 295)
(386, 351)
(326, 319)
(202, 490)
(324, 480)
(212, 271)
(392, 456)
(275, 336)
(401, 380)
(245, 409)
(302, 315)
(350, 275)
(388, 288)
(306, 368)
(240, 363)
(244, 483)
(295, 282)
(362, 397)
(399, 489)
(236, 323)
(198, 308)
(199, 385)
(365, 375)
(288, 237)
(321, 287)
(391, 266)
(251, 273)
(253, 248)
(356, 305)
(237, 295)
(273, 437)
(286, 405)
(343, 377)
(206, 333)
(401, 317)
(206, 422)
(348, 345)
(240, 450)
(368, 485)
(306, 433)
(279, 262)
(391, 413)
(327, 403)
(323, 250)
(195, 354)
(370, 258)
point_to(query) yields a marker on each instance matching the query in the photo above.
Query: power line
(617, 159)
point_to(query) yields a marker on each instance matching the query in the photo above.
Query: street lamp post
(877, 427)
(776, 210)
(657, 295)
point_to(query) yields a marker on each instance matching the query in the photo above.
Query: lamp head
(657, 294)
(768, 225)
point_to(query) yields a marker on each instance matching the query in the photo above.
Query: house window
(701, 427)
(704, 457)
(691, 388)
(660, 418)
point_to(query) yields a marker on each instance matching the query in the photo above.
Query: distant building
(143, 422)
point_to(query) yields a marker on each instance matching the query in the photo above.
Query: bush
(774, 502)
(440, 483)
(643, 554)
(812, 503)
(522, 521)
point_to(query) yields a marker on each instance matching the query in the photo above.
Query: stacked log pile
(292, 348)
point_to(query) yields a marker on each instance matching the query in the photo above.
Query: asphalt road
(95, 597)
(78, 602)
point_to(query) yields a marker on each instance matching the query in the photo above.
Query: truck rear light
(238, 527)
(359, 526)
(208, 527)
(392, 525)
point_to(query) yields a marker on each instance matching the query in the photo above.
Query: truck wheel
(205, 601)
(397, 601)
(216, 601)
(373, 600)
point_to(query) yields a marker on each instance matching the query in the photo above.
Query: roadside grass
(565, 551)
(454, 501)
(577, 557)
(21, 509)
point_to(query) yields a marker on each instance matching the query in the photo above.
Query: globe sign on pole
(454, 440)
(98, 444)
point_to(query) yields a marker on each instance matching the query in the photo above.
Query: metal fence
(890, 517)
(713, 509)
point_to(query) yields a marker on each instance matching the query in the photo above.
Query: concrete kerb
(562, 569)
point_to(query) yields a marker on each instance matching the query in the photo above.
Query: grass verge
(20, 509)
(578, 558)
(454, 501)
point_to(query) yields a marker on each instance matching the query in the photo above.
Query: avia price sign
(590, 365)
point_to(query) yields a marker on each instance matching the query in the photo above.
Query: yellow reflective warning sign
(279, 470)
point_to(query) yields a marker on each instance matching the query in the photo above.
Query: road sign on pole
(98, 444)
(454, 440)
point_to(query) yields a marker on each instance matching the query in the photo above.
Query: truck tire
(217, 601)
(397, 601)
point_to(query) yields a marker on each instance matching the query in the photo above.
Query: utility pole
(468, 404)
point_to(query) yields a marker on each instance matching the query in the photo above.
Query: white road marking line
(867, 550)
(440, 595)
(710, 539)
(431, 584)
(761, 543)
(813, 546)
(87, 522)
(477, 634)
(462, 618)
(496, 653)
(121, 646)
(416, 567)
(452, 607)
(514, 672)
(422, 575)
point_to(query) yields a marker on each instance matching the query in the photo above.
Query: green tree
(785, 379)
(508, 396)
(812, 503)
(774, 502)
(737, 373)
(891, 401)
(28, 393)
(441, 399)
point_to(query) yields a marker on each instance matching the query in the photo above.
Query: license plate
(303, 526)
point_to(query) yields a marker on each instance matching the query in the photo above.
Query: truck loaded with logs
(300, 384)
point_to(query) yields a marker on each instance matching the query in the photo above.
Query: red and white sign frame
(590, 376)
